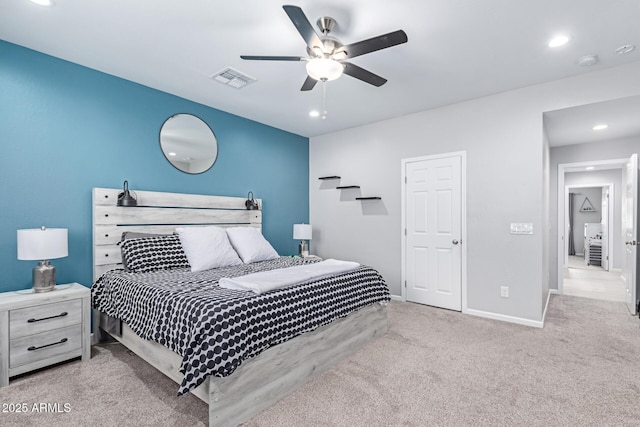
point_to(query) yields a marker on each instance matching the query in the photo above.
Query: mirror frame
(168, 157)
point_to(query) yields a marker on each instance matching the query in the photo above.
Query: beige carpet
(433, 368)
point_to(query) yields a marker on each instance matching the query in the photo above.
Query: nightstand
(40, 329)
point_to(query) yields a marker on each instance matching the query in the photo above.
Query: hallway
(592, 282)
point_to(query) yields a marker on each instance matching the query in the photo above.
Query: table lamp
(43, 244)
(302, 232)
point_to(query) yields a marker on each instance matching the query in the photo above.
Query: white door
(630, 229)
(433, 220)
(605, 228)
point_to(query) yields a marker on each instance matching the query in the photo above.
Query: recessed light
(625, 49)
(172, 154)
(600, 127)
(590, 168)
(559, 40)
(314, 113)
(44, 2)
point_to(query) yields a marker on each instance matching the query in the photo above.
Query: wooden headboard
(158, 213)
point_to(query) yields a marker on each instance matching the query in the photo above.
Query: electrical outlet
(504, 291)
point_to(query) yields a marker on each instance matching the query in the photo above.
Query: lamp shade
(42, 243)
(302, 231)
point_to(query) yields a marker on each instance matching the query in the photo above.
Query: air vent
(232, 77)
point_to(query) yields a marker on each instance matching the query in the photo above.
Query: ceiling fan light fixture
(324, 69)
(339, 55)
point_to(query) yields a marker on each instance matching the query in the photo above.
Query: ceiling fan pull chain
(324, 99)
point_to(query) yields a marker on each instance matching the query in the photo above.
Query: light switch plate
(521, 228)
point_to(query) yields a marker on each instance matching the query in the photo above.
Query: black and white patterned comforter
(215, 329)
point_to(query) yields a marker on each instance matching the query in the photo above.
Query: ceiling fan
(328, 57)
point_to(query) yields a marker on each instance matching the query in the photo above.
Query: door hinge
(405, 179)
(405, 283)
(405, 231)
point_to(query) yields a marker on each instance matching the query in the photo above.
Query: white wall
(503, 137)
(614, 149)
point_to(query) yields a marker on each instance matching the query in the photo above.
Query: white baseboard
(553, 291)
(501, 317)
(505, 318)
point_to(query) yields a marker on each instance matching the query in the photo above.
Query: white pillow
(251, 244)
(207, 247)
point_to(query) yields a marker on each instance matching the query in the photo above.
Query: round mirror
(188, 143)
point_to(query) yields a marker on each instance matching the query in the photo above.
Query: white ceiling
(575, 125)
(457, 49)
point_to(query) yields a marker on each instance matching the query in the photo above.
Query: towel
(266, 281)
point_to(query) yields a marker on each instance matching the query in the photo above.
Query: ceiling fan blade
(303, 26)
(362, 74)
(271, 58)
(309, 83)
(376, 43)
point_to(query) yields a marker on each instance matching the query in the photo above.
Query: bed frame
(260, 381)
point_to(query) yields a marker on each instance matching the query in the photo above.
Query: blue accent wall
(65, 129)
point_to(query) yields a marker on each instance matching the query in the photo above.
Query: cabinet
(41, 329)
(595, 252)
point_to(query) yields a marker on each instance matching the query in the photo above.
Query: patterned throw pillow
(126, 235)
(153, 253)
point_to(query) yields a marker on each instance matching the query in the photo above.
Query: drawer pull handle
(62, 341)
(64, 313)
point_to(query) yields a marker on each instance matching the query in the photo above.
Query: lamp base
(44, 277)
(303, 249)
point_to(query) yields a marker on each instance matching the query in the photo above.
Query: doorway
(589, 256)
(576, 276)
(589, 223)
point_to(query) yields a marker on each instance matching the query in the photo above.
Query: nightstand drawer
(44, 345)
(45, 317)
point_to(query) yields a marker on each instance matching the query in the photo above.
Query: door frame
(631, 280)
(463, 220)
(561, 241)
(611, 188)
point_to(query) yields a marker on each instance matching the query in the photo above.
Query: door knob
(455, 242)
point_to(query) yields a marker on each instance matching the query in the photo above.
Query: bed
(237, 388)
